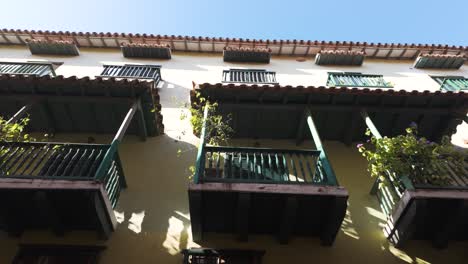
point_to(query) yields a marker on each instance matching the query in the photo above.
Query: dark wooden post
(288, 219)
(196, 214)
(301, 128)
(141, 122)
(242, 216)
(333, 219)
(104, 221)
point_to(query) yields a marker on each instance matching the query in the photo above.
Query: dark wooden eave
(277, 111)
(76, 105)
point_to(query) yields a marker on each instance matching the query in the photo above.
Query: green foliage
(218, 130)
(14, 131)
(419, 159)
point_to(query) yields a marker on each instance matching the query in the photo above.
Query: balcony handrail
(50, 160)
(263, 165)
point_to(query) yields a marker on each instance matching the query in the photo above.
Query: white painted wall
(184, 68)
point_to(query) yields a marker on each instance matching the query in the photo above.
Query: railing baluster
(240, 166)
(311, 173)
(63, 163)
(23, 160)
(285, 166)
(43, 157)
(262, 170)
(248, 166)
(31, 162)
(87, 162)
(96, 163)
(72, 163)
(15, 160)
(217, 164)
(9, 156)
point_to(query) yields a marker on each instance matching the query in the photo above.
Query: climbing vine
(410, 155)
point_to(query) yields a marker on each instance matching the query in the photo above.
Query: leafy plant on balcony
(218, 131)
(409, 155)
(14, 131)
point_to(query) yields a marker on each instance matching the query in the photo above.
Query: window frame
(442, 86)
(330, 79)
(156, 77)
(266, 72)
(46, 71)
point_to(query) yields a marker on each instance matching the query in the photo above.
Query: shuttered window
(357, 80)
(132, 71)
(452, 83)
(249, 76)
(27, 68)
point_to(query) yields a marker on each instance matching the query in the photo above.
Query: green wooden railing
(452, 83)
(263, 165)
(357, 80)
(64, 161)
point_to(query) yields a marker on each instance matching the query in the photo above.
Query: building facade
(131, 92)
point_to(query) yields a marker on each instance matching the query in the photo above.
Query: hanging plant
(408, 155)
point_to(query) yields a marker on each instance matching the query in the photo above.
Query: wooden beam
(19, 114)
(299, 189)
(141, 122)
(333, 219)
(105, 225)
(242, 216)
(404, 227)
(344, 108)
(48, 211)
(196, 214)
(446, 221)
(288, 219)
(353, 123)
(126, 122)
(327, 168)
(301, 128)
(66, 98)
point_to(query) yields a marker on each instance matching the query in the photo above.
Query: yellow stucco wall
(153, 211)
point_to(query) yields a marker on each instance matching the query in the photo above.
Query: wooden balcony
(279, 192)
(416, 209)
(278, 113)
(68, 186)
(59, 186)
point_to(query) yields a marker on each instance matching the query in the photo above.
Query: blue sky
(402, 21)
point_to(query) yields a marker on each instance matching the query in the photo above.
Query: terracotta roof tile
(329, 90)
(416, 48)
